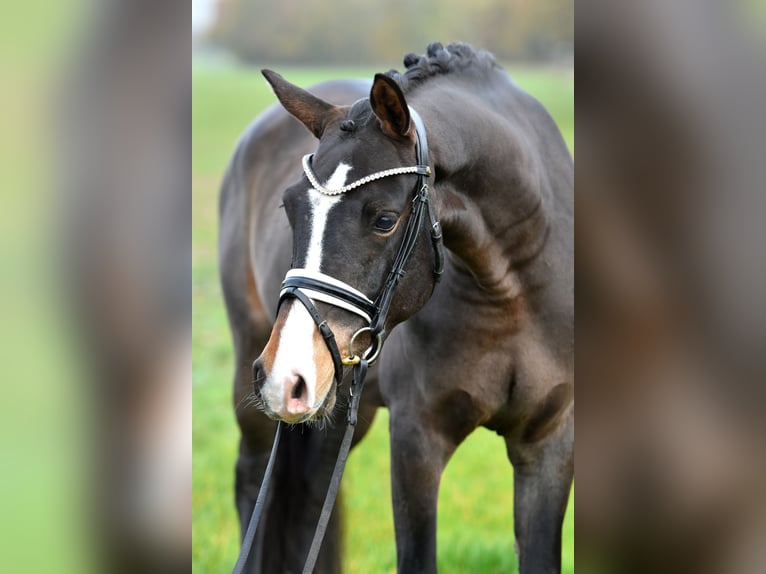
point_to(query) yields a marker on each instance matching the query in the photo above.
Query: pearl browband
(416, 169)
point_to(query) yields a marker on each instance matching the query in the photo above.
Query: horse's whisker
(250, 400)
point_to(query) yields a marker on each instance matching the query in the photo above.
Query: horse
(488, 341)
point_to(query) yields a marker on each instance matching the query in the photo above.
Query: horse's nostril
(298, 389)
(259, 374)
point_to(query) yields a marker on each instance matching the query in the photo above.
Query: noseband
(305, 285)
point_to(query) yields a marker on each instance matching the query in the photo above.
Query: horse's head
(348, 233)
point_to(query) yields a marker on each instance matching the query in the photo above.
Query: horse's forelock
(360, 112)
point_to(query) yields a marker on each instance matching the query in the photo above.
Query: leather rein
(305, 285)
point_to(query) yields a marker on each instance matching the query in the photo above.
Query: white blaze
(295, 352)
(321, 205)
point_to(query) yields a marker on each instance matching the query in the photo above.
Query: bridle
(305, 285)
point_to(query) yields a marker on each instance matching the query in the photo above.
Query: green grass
(476, 498)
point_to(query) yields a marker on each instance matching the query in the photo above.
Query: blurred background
(101, 229)
(670, 279)
(95, 297)
(357, 32)
(308, 41)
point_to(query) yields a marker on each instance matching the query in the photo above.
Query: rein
(305, 285)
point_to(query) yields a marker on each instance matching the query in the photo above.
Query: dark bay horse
(491, 344)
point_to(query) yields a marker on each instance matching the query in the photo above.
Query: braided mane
(439, 60)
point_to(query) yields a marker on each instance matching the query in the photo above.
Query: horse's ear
(388, 104)
(313, 112)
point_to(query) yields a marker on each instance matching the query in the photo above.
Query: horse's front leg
(543, 473)
(418, 456)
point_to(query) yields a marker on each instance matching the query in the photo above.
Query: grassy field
(476, 499)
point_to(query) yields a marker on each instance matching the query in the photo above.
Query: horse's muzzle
(288, 399)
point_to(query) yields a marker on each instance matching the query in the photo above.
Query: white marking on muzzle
(295, 352)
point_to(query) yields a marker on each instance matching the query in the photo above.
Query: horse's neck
(496, 243)
(495, 209)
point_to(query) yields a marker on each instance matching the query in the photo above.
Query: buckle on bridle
(351, 360)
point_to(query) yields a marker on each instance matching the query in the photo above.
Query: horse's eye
(385, 222)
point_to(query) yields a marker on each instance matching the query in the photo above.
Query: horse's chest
(447, 373)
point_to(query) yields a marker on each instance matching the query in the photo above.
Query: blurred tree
(364, 32)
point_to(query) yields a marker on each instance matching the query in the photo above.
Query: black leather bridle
(304, 285)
